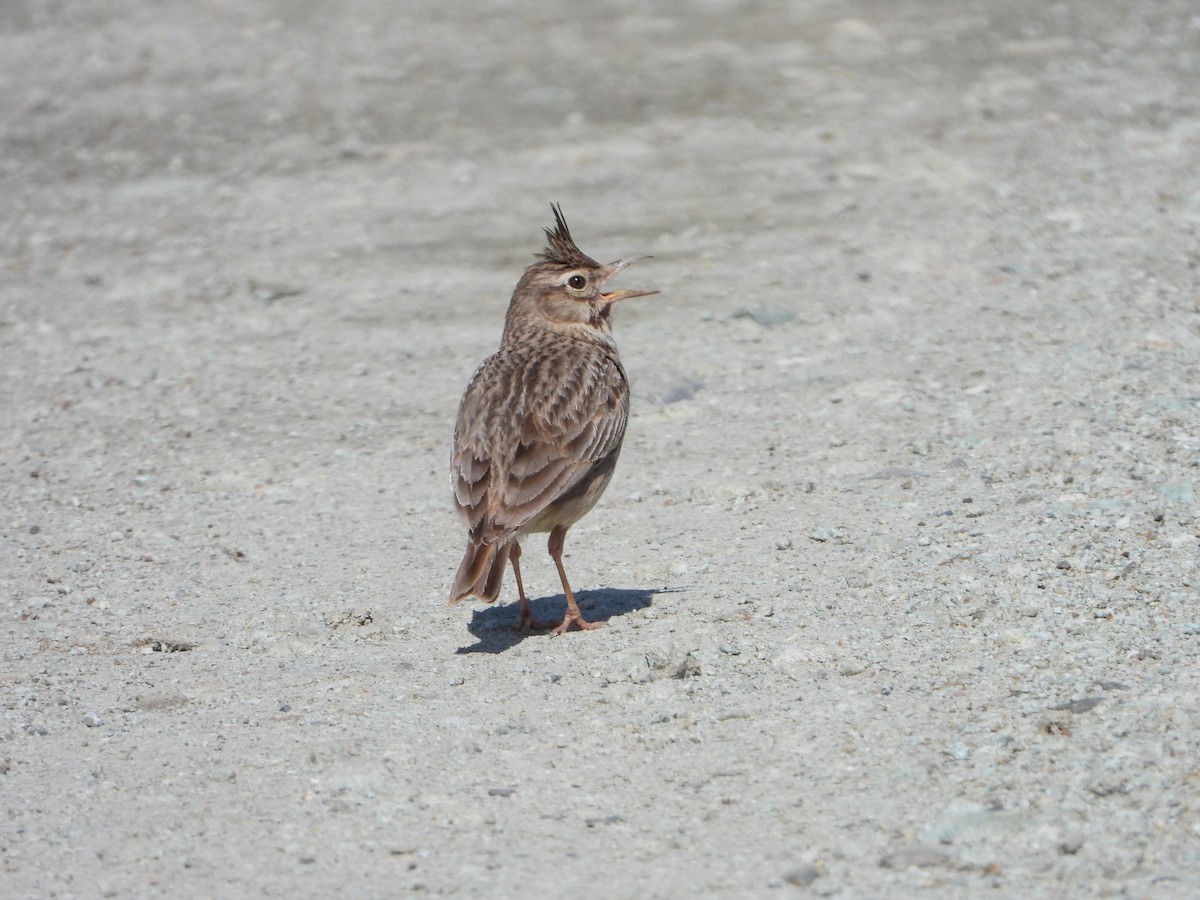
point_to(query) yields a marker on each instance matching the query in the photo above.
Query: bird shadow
(494, 627)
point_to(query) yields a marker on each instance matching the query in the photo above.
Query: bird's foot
(576, 621)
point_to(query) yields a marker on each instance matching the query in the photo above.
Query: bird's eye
(577, 282)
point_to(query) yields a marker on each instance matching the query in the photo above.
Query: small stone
(957, 750)
(785, 544)
(1063, 564)
(662, 387)
(766, 316)
(501, 792)
(91, 720)
(1081, 705)
(852, 667)
(918, 857)
(660, 662)
(1108, 784)
(802, 876)
(1071, 843)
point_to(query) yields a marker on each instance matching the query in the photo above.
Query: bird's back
(539, 415)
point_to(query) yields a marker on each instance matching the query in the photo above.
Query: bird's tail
(481, 572)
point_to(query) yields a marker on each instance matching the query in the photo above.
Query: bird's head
(565, 287)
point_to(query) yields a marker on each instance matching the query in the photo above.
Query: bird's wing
(522, 442)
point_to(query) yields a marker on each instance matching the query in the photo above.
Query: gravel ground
(900, 564)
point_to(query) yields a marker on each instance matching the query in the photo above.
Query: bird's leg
(525, 620)
(573, 618)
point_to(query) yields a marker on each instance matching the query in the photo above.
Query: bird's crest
(560, 246)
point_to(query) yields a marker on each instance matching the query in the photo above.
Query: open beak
(612, 269)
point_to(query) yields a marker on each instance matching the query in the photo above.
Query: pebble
(785, 544)
(802, 876)
(1071, 843)
(91, 720)
(657, 663)
(957, 750)
(663, 387)
(1081, 705)
(919, 857)
(766, 316)
(852, 667)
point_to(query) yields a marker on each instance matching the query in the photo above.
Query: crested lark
(541, 422)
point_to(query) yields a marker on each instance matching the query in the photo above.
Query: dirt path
(900, 563)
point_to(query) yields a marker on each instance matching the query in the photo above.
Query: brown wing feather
(522, 442)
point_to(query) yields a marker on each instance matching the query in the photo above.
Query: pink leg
(573, 618)
(525, 621)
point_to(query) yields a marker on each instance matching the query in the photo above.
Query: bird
(540, 425)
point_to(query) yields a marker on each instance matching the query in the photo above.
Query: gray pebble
(802, 876)
(662, 387)
(91, 720)
(1081, 705)
(920, 857)
(1071, 843)
(957, 750)
(766, 316)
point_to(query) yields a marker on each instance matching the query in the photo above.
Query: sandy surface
(900, 563)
